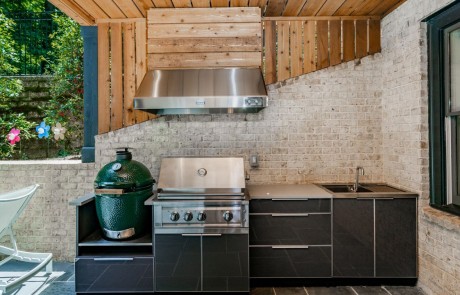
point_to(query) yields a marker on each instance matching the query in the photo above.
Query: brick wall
(48, 222)
(405, 140)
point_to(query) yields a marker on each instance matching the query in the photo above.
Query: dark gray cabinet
(396, 238)
(103, 266)
(290, 238)
(201, 262)
(375, 237)
(353, 238)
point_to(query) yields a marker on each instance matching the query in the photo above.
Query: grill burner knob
(201, 216)
(188, 216)
(174, 216)
(228, 216)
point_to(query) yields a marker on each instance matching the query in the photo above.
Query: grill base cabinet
(110, 267)
(195, 263)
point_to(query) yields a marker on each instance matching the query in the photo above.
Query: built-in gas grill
(201, 226)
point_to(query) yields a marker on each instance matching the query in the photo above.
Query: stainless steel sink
(363, 188)
(343, 188)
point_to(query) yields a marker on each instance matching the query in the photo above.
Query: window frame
(438, 110)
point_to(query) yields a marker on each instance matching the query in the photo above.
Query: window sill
(444, 219)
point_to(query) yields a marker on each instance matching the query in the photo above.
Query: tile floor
(62, 282)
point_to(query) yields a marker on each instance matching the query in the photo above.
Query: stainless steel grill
(195, 194)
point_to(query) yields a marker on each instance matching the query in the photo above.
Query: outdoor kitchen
(244, 150)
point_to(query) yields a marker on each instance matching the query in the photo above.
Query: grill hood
(202, 91)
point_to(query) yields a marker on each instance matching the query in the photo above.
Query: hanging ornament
(43, 130)
(13, 136)
(59, 131)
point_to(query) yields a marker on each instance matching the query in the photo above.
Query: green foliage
(18, 121)
(66, 107)
(9, 87)
(8, 6)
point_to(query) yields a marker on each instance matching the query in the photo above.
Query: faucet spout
(359, 171)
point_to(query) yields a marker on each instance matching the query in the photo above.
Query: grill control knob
(174, 216)
(228, 216)
(201, 216)
(188, 216)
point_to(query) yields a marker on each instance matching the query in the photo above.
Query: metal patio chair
(11, 206)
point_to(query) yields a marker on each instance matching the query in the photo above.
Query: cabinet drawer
(113, 274)
(289, 206)
(285, 229)
(268, 262)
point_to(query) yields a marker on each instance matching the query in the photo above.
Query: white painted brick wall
(405, 140)
(48, 222)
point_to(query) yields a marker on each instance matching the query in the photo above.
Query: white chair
(11, 206)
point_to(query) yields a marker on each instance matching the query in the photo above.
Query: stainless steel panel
(201, 230)
(195, 174)
(201, 91)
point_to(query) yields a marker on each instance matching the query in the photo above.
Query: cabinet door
(113, 274)
(177, 262)
(353, 238)
(290, 206)
(396, 237)
(226, 263)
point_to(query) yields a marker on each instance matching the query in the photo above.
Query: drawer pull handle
(191, 235)
(211, 235)
(289, 199)
(290, 247)
(114, 259)
(290, 215)
(201, 235)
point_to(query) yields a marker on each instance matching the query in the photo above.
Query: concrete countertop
(287, 191)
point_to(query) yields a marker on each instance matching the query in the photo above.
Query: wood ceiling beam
(111, 9)
(330, 7)
(313, 18)
(348, 7)
(74, 11)
(274, 7)
(92, 8)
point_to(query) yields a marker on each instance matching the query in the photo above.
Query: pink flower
(13, 136)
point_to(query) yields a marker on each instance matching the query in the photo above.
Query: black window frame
(437, 111)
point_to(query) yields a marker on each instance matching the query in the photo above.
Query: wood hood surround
(284, 39)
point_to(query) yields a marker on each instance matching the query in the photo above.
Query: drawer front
(113, 274)
(283, 229)
(290, 206)
(311, 262)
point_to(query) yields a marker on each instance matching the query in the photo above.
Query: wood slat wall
(122, 63)
(296, 47)
(204, 37)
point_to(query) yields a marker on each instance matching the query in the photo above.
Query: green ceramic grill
(121, 188)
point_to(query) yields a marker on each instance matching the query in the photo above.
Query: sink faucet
(359, 170)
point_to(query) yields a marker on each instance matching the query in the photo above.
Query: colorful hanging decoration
(13, 136)
(43, 130)
(59, 131)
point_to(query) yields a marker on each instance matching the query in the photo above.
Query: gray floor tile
(404, 290)
(369, 290)
(330, 291)
(290, 291)
(262, 291)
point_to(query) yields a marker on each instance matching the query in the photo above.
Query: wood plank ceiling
(88, 12)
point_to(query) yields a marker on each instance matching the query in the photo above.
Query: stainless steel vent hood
(202, 91)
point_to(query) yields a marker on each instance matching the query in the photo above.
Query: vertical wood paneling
(129, 78)
(335, 50)
(323, 46)
(283, 68)
(361, 38)
(296, 48)
(270, 52)
(116, 77)
(348, 27)
(219, 3)
(309, 46)
(141, 63)
(374, 36)
(103, 69)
